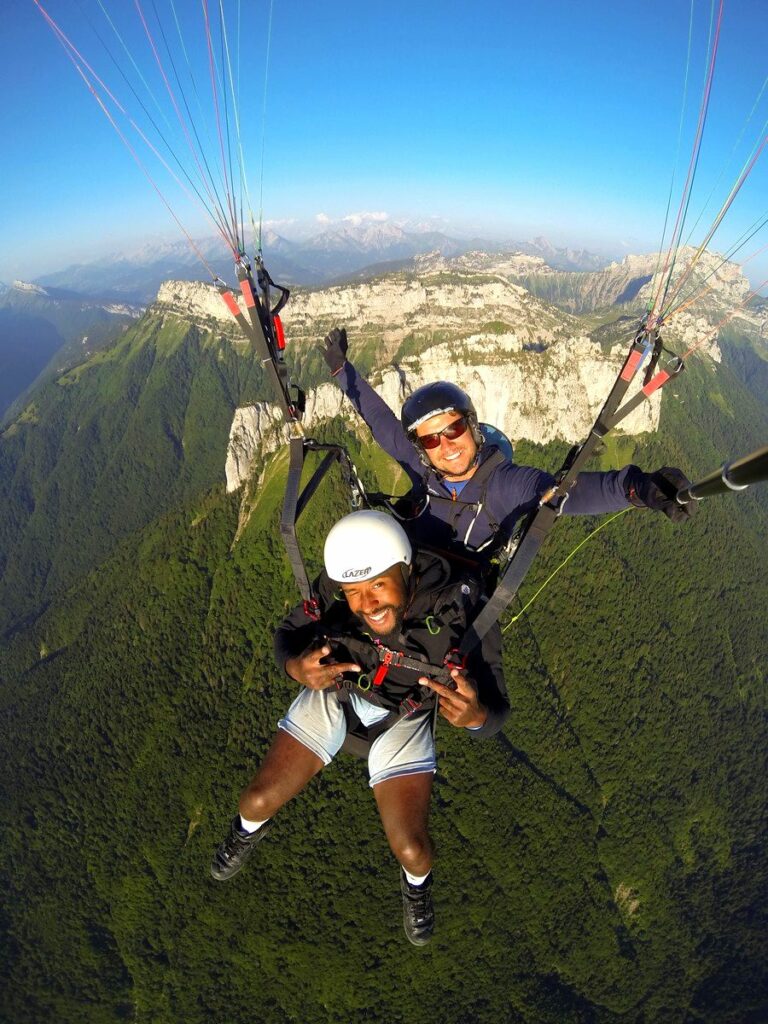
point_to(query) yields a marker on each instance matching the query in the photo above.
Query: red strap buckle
(312, 609)
(279, 332)
(380, 674)
(387, 659)
(455, 659)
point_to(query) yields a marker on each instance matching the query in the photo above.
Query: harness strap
(288, 521)
(418, 698)
(389, 658)
(253, 327)
(408, 706)
(551, 504)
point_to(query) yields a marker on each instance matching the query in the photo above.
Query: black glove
(657, 491)
(334, 349)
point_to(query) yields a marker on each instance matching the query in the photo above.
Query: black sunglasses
(450, 433)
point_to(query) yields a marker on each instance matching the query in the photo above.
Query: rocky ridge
(533, 369)
(630, 281)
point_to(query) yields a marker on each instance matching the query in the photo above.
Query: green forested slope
(604, 862)
(106, 447)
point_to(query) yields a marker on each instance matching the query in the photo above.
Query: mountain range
(337, 252)
(604, 863)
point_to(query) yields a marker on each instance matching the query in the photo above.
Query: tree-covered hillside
(43, 332)
(104, 448)
(604, 861)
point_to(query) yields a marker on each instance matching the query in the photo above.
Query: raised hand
(459, 706)
(334, 349)
(309, 670)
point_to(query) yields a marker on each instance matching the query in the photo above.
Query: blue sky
(501, 119)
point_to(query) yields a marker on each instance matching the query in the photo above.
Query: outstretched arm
(618, 489)
(516, 490)
(382, 422)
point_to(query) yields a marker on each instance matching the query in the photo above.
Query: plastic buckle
(386, 658)
(413, 706)
(380, 674)
(312, 609)
(455, 659)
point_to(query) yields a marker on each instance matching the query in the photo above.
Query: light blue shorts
(316, 719)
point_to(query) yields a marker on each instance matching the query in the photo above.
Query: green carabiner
(360, 678)
(429, 622)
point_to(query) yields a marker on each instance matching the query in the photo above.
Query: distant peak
(27, 286)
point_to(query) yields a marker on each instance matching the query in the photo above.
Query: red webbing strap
(245, 288)
(630, 366)
(656, 382)
(253, 331)
(231, 303)
(279, 332)
(381, 673)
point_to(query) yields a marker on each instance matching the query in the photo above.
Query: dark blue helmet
(433, 399)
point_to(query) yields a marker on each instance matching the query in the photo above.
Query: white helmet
(363, 545)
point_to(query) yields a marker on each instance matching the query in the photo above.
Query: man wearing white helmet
(473, 494)
(401, 617)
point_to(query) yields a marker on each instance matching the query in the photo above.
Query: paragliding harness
(449, 608)
(264, 329)
(484, 561)
(359, 736)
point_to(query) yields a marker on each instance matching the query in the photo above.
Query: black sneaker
(236, 849)
(418, 910)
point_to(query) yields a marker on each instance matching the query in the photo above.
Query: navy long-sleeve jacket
(510, 491)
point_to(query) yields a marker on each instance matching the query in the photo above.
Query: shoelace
(419, 907)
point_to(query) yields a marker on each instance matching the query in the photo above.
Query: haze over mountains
(45, 330)
(340, 250)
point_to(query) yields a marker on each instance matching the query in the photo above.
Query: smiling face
(456, 458)
(379, 602)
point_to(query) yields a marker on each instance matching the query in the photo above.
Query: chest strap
(418, 698)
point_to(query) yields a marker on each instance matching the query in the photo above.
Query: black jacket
(438, 611)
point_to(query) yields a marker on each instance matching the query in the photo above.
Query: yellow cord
(563, 563)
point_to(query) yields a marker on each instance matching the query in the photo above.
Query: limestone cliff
(533, 369)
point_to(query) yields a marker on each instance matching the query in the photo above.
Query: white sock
(416, 879)
(250, 826)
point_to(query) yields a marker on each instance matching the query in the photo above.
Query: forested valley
(604, 861)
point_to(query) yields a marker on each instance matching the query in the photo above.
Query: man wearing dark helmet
(471, 491)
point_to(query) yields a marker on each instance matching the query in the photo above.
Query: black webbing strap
(396, 659)
(261, 324)
(407, 707)
(289, 515)
(550, 507)
(516, 571)
(274, 367)
(265, 282)
(359, 737)
(296, 500)
(652, 383)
